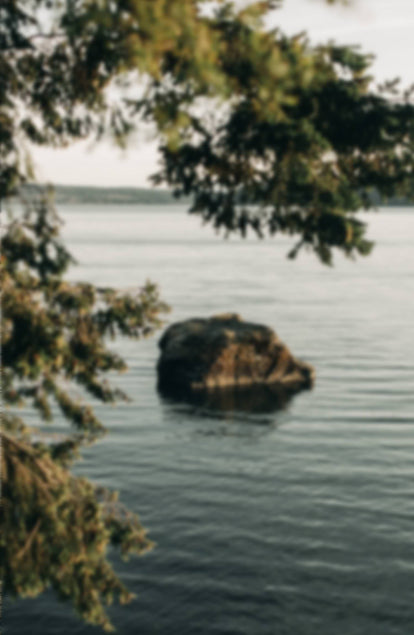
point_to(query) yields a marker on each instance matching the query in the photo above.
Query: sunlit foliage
(56, 528)
(263, 131)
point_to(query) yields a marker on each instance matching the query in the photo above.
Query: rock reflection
(257, 399)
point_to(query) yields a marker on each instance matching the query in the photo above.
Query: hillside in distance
(90, 195)
(94, 195)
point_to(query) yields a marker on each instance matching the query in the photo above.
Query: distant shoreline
(96, 195)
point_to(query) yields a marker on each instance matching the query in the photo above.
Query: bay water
(293, 522)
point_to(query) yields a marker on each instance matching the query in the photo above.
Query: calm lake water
(298, 522)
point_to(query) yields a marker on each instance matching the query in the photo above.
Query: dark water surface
(293, 523)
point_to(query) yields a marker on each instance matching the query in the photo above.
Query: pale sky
(382, 27)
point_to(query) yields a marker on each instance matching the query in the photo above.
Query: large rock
(224, 352)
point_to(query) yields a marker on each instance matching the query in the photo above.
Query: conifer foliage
(56, 528)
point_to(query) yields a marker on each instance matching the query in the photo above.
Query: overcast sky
(382, 27)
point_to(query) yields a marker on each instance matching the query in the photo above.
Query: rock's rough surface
(224, 352)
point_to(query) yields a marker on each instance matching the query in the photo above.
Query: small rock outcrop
(224, 352)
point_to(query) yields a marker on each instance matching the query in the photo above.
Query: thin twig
(29, 540)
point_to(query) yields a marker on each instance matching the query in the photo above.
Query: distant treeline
(87, 195)
(393, 201)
